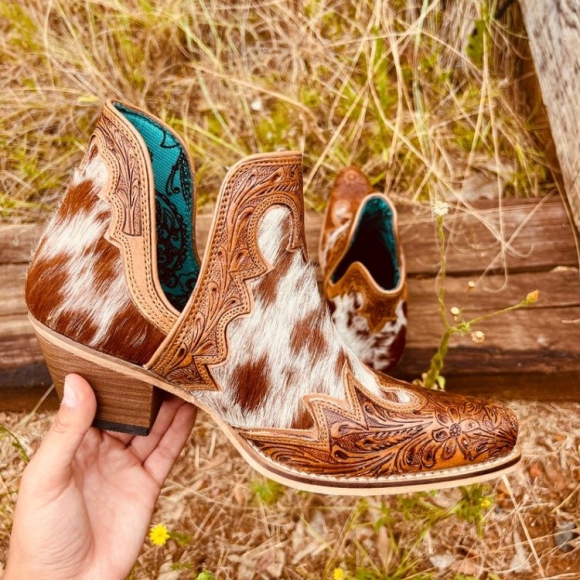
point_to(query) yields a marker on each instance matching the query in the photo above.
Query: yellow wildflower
(159, 535)
(338, 574)
(486, 503)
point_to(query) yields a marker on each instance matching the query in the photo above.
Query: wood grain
(17, 241)
(541, 231)
(529, 353)
(553, 28)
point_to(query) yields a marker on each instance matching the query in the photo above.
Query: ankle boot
(253, 344)
(363, 268)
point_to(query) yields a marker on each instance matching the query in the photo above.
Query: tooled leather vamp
(372, 437)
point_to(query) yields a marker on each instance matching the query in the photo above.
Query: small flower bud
(485, 503)
(532, 297)
(455, 311)
(471, 285)
(477, 336)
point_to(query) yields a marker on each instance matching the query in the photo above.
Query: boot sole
(142, 393)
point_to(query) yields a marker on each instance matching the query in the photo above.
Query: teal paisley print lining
(174, 189)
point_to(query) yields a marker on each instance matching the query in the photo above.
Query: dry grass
(233, 524)
(423, 95)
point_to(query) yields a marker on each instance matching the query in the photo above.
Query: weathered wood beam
(530, 353)
(553, 28)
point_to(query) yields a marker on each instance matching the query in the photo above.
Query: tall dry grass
(422, 95)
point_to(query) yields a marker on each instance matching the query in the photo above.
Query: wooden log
(541, 339)
(531, 353)
(542, 226)
(554, 31)
(17, 241)
(541, 231)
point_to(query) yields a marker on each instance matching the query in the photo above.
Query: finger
(162, 458)
(73, 420)
(143, 446)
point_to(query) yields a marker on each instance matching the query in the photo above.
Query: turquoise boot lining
(174, 189)
(374, 245)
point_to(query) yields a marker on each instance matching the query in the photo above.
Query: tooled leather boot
(252, 342)
(363, 268)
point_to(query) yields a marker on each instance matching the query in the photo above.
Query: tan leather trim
(378, 306)
(132, 198)
(350, 188)
(198, 340)
(365, 436)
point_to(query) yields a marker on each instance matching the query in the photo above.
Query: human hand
(87, 496)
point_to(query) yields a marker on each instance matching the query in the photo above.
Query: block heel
(124, 403)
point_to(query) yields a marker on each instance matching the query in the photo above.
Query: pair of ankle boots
(117, 293)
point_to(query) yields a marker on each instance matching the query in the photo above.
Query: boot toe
(468, 431)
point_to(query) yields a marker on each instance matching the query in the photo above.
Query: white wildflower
(256, 104)
(440, 208)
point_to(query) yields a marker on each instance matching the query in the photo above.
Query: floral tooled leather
(221, 294)
(132, 198)
(366, 437)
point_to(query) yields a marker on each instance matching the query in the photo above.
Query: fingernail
(69, 396)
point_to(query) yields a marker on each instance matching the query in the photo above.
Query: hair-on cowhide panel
(76, 283)
(381, 349)
(286, 348)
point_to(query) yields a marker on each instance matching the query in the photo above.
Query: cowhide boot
(244, 336)
(363, 268)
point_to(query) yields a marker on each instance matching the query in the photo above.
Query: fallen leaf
(442, 561)
(519, 562)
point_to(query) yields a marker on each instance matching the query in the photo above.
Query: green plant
(476, 501)
(267, 491)
(14, 441)
(433, 379)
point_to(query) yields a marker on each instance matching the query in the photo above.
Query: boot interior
(374, 245)
(177, 264)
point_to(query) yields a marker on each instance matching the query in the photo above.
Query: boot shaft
(255, 337)
(95, 275)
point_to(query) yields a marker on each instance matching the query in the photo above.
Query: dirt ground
(227, 519)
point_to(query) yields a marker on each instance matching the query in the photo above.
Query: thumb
(73, 420)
